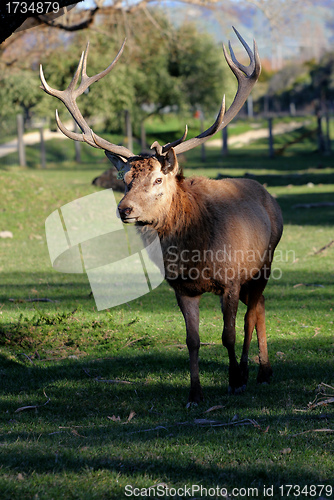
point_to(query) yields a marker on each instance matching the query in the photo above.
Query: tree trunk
(77, 144)
(20, 141)
(225, 142)
(128, 127)
(143, 142)
(271, 138)
(250, 110)
(42, 143)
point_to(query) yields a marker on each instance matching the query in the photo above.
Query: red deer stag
(217, 236)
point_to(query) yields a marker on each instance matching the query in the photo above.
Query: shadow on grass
(183, 470)
(63, 291)
(294, 214)
(163, 440)
(296, 167)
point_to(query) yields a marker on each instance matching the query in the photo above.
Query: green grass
(86, 443)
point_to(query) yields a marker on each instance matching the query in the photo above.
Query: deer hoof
(264, 375)
(236, 390)
(195, 395)
(191, 404)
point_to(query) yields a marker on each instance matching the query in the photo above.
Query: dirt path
(237, 140)
(29, 139)
(253, 135)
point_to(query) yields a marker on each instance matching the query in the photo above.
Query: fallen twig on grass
(324, 248)
(131, 342)
(213, 408)
(314, 205)
(217, 423)
(33, 300)
(315, 285)
(107, 381)
(321, 402)
(97, 379)
(321, 399)
(313, 430)
(25, 355)
(32, 407)
(206, 422)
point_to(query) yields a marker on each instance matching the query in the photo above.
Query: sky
(309, 38)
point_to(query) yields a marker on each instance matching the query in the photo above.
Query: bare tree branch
(12, 18)
(76, 26)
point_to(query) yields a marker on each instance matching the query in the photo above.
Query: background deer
(217, 236)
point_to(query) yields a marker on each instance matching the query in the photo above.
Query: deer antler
(247, 77)
(69, 96)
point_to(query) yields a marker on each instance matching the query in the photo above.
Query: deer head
(149, 180)
(150, 188)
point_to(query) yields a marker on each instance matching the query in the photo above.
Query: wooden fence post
(328, 137)
(77, 144)
(20, 142)
(271, 138)
(225, 141)
(42, 149)
(250, 110)
(320, 135)
(128, 127)
(143, 136)
(203, 153)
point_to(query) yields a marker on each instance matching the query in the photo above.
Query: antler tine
(78, 72)
(248, 70)
(45, 86)
(69, 133)
(113, 148)
(181, 147)
(160, 150)
(68, 97)
(247, 77)
(217, 124)
(86, 80)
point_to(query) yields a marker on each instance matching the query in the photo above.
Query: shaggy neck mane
(186, 216)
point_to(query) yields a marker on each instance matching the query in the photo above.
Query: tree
(323, 78)
(19, 93)
(168, 67)
(201, 66)
(281, 14)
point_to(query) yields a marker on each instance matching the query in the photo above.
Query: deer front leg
(229, 305)
(190, 310)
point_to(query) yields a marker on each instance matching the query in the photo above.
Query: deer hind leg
(190, 310)
(229, 304)
(255, 318)
(265, 370)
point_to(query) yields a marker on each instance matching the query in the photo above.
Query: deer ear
(117, 161)
(170, 163)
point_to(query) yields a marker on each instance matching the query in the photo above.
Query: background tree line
(308, 85)
(165, 66)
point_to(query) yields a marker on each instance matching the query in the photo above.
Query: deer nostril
(125, 211)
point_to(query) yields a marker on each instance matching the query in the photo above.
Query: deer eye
(157, 181)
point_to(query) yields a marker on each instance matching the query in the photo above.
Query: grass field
(108, 389)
